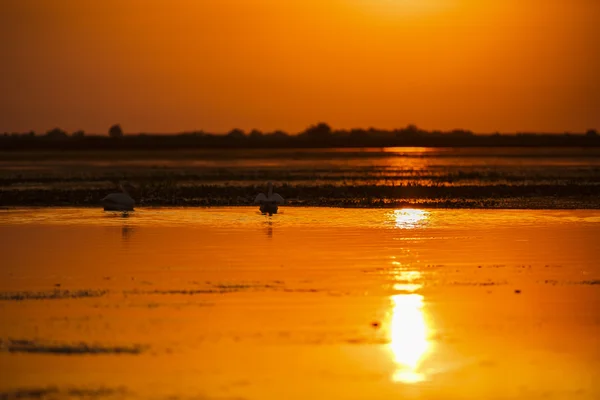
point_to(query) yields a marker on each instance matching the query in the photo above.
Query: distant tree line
(315, 136)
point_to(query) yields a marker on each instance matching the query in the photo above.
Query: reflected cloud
(409, 218)
(409, 333)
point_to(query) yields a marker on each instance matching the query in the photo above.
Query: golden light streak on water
(408, 218)
(408, 337)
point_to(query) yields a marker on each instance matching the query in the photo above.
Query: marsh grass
(349, 178)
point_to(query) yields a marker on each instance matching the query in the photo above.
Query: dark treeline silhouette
(316, 136)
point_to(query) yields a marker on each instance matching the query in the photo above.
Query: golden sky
(180, 65)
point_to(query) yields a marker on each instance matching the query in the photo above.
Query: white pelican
(120, 201)
(268, 203)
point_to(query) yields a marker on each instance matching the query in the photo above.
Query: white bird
(268, 203)
(120, 201)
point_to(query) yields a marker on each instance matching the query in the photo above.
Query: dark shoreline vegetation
(316, 136)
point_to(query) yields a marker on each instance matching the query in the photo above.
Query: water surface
(224, 303)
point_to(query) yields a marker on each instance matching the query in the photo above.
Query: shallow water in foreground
(225, 303)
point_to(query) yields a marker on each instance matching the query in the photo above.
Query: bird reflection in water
(126, 232)
(270, 229)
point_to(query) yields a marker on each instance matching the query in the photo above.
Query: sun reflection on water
(409, 337)
(408, 218)
(409, 331)
(405, 281)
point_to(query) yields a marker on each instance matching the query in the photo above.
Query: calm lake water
(224, 303)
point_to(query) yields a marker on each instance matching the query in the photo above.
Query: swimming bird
(120, 201)
(268, 203)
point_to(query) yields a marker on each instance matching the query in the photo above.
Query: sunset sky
(181, 65)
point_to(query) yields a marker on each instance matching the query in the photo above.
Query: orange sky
(170, 66)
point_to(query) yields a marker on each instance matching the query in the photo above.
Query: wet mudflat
(224, 303)
(499, 178)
